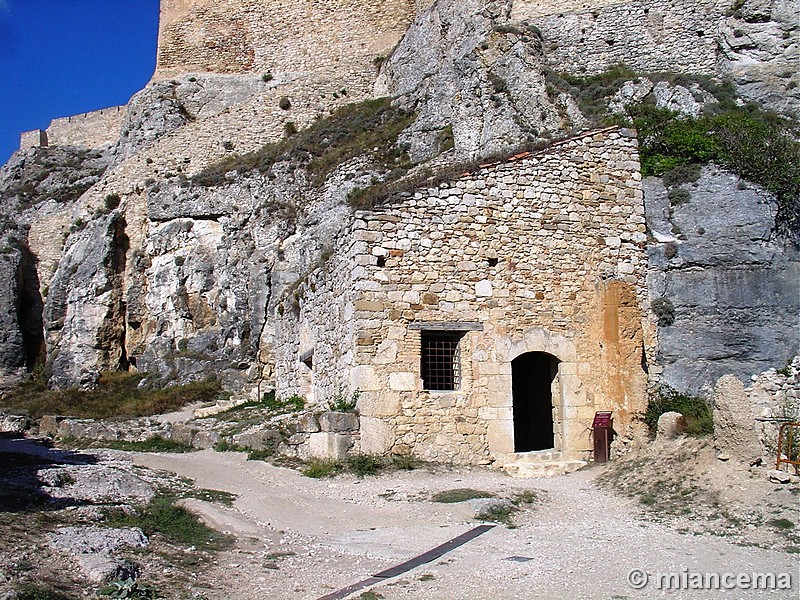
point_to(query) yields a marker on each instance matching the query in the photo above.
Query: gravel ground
(304, 538)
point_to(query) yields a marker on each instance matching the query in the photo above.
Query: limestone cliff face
(733, 285)
(464, 66)
(115, 259)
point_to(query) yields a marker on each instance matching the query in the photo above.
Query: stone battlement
(91, 129)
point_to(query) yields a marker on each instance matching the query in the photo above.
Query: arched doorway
(532, 376)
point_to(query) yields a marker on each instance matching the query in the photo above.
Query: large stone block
(183, 433)
(670, 425)
(334, 446)
(500, 436)
(340, 422)
(734, 421)
(377, 436)
(258, 440)
(403, 381)
(365, 378)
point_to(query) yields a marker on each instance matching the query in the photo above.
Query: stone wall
(545, 253)
(227, 36)
(666, 35)
(92, 129)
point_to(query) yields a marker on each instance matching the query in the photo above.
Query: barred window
(441, 360)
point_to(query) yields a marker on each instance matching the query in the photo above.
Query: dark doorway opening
(532, 375)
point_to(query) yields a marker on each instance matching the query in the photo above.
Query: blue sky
(64, 57)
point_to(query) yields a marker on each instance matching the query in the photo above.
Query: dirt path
(304, 538)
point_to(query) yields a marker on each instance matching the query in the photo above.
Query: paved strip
(408, 565)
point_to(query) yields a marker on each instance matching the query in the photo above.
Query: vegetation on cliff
(118, 394)
(756, 144)
(369, 127)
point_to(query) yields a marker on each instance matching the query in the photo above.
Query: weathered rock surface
(92, 548)
(732, 282)
(14, 423)
(734, 420)
(759, 49)
(100, 568)
(96, 540)
(463, 65)
(95, 483)
(671, 424)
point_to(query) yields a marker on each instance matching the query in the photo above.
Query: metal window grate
(441, 360)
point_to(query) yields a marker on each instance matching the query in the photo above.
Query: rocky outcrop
(759, 49)
(115, 259)
(471, 76)
(730, 282)
(734, 420)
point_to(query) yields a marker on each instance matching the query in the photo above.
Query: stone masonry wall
(315, 315)
(227, 36)
(547, 252)
(92, 129)
(665, 35)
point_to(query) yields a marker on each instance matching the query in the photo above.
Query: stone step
(543, 469)
(220, 406)
(535, 457)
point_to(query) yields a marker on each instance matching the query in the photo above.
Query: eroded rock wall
(733, 284)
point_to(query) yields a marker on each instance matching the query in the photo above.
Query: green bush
(342, 403)
(678, 196)
(319, 468)
(364, 464)
(695, 409)
(682, 174)
(663, 309)
(757, 145)
(459, 495)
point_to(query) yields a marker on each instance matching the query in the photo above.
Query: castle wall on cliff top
(543, 254)
(287, 36)
(660, 35)
(92, 130)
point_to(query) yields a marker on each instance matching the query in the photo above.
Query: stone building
(487, 319)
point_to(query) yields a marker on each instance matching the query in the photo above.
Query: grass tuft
(117, 395)
(318, 468)
(459, 495)
(362, 465)
(781, 524)
(152, 444)
(370, 127)
(176, 524)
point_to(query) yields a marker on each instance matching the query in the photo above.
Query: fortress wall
(661, 35)
(92, 129)
(297, 36)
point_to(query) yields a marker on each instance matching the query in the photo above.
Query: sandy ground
(304, 538)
